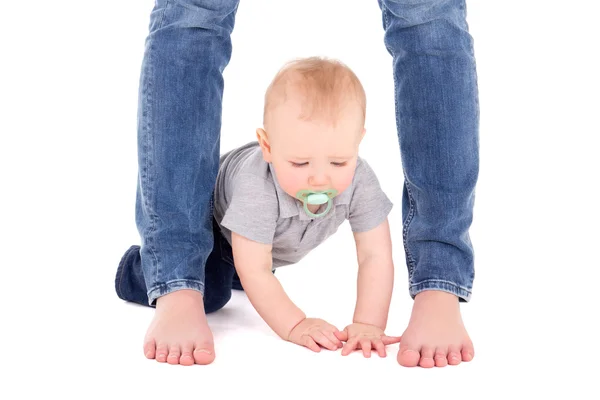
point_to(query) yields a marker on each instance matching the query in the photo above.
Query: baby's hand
(366, 337)
(312, 332)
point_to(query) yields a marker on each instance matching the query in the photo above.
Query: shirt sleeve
(369, 205)
(253, 209)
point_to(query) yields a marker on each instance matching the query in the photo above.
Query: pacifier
(320, 197)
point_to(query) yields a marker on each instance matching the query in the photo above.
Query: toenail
(202, 351)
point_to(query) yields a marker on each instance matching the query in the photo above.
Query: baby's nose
(318, 180)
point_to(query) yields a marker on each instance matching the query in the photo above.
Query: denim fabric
(437, 116)
(219, 276)
(179, 121)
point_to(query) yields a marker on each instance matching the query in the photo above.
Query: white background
(69, 79)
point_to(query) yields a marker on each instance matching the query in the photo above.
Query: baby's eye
(298, 164)
(338, 164)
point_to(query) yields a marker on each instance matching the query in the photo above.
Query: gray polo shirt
(249, 201)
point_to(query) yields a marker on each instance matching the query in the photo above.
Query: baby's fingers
(341, 335)
(365, 345)
(323, 340)
(333, 337)
(307, 341)
(391, 339)
(350, 346)
(380, 347)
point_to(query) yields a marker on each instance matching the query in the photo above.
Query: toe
(467, 352)
(204, 353)
(150, 349)
(440, 357)
(187, 358)
(426, 357)
(454, 356)
(408, 356)
(161, 353)
(174, 354)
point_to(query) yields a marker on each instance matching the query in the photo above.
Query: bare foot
(436, 335)
(179, 332)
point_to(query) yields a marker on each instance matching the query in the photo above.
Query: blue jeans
(179, 121)
(219, 275)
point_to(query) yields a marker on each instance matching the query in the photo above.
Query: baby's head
(314, 118)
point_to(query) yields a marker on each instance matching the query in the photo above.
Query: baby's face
(313, 155)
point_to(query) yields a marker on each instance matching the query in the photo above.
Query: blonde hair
(323, 85)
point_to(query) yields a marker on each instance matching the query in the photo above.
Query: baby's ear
(263, 141)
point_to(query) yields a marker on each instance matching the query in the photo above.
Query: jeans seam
(386, 24)
(163, 288)
(409, 217)
(409, 258)
(150, 153)
(442, 285)
(441, 281)
(150, 149)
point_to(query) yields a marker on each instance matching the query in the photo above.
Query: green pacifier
(316, 198)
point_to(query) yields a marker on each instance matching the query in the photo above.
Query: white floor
(68, 167)
(533, 336)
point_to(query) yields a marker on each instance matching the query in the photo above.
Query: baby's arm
(375, 276)
(253, 262)
(375, 283)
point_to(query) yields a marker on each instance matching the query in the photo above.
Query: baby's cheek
(290, 184)
(343, 181)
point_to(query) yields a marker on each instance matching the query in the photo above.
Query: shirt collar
(290, 206)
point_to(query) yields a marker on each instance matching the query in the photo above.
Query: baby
(275, 200)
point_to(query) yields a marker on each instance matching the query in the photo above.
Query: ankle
(180, 297)
(436, 296)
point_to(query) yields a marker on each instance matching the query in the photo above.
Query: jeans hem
(173, 286)
(463, 294)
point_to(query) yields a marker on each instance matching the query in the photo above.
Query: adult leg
(437, 115)
(130, 284)
(179, 121)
